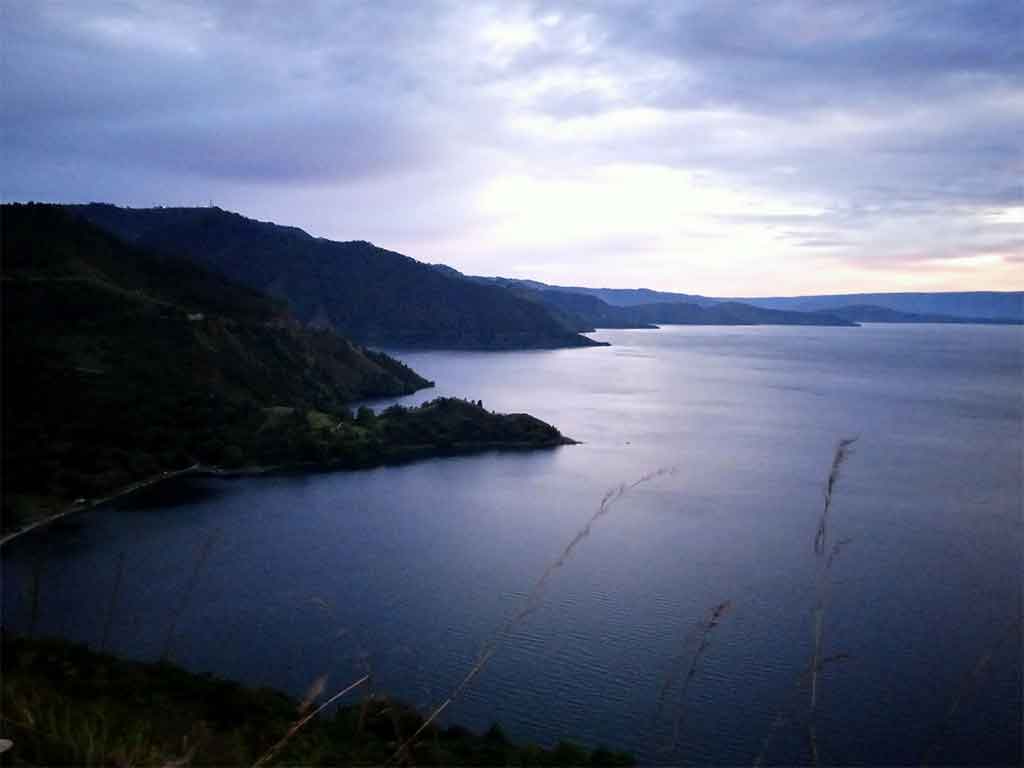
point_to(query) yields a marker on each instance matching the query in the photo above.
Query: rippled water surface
(413, 568)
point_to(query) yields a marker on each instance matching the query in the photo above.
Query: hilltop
(372, 295)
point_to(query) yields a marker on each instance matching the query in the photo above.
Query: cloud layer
(716, 147)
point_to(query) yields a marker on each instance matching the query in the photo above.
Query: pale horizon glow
(721, 148)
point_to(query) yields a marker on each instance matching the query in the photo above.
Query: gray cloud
(898, 121)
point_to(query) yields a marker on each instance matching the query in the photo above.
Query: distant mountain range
(1006, 306)
(588, 308)
(584, 311)
(961, 306)
(385, 299)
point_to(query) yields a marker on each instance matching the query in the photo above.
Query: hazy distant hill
(1007, 305)
(730, 313)
(584, 310)
(375, 296)
(866, 313)
(964, 306)
(616, 297)
(589, 312)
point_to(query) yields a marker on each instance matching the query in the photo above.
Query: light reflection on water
(416, 566)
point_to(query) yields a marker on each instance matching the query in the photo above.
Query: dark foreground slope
(370, 294)
(66, 705)
(119, 365)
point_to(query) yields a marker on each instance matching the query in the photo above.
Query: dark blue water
(412, 569)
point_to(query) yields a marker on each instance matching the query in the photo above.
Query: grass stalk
(973, 679)
(118, 576)
(533, 601)
(787, 712)
(296, 727)
(702, 632)
(202, 555)
(825, 553)
(35, 590)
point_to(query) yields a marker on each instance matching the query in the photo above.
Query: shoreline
(91, 503)
(199, 470)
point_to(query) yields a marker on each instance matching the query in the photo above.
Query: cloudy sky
(725, 148)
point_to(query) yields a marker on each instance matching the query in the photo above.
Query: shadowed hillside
(119, 364)
(373, 295)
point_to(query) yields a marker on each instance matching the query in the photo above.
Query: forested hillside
(119, 364)
(370, 294)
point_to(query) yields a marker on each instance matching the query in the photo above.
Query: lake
(412, 569)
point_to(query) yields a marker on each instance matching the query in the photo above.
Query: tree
(366, 417)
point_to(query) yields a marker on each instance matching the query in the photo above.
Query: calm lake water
(414, 568)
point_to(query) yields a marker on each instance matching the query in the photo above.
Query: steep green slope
(370, 294)
(119, 365)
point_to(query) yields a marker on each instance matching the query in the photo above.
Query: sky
(724, 148)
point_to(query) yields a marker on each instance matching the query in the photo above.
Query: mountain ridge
(945, 306)
(587, 311)
(373, 295)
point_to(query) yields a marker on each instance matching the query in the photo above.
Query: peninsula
(121, 365)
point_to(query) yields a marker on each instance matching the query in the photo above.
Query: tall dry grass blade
(821, 541)
(825, 554)
(843, 450)
(533, 601)
(312, 694)
(676, 668)
(204, 552)
(971, 682)
(270, 753)
(118, 575)
(34, 593)
(787, 712)
(704, 630)
(182, 761)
